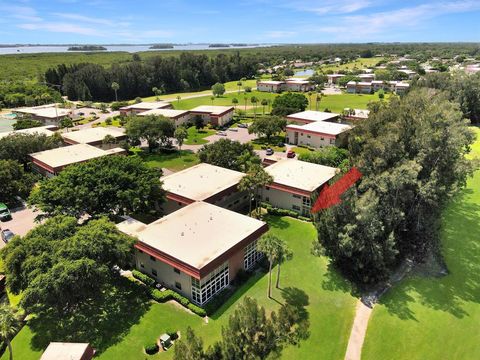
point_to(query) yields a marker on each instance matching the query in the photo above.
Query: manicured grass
(197, 137)
(331, 310)
(115, 122)
(337, 103)
(301, 150)
(361, 63)
(437, 318)
(261, 143)
(176, 161)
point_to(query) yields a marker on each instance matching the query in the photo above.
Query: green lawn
(176, 161)
(337, 103)
(123, 334)
(428, 318)
(197, 137)
(361, 63)
(261, 143)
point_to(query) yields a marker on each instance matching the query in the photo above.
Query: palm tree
(310, 99)
(235, 102)
(9, 325)
(254, 101)
(264, 103)
(212, 98)
(239, 84)
(318, 98)
(155, 92)
(246, 99)
(247, 184)
(269, 244)
(178, 99)
(115, 88)
(283, 253)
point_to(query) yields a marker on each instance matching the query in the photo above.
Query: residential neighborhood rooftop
(323, 127)
(170, 113)
(45, 112)
(147, 105)
(72, 154)
(92, 135)
(300, 174)
(199, 233)
(310, 115)
(212, 109)
(297, 81)
(66, 351)
(48, 130)
(201, 181)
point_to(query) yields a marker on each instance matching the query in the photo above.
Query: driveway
(23, 220)
(237, 134)
(101, 117)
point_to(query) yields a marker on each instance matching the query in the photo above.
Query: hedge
(164, 296)
(161, 296)
(147, 280)
(151, 349)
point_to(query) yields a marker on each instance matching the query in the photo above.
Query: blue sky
(264, 21)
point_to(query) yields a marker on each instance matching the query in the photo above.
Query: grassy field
(426, 318)
(361, 63)
(122, 333)
(176, 161)
(197, 137)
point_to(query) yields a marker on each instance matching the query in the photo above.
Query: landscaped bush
(117, 105)
(180, 299)
(218, 300)
(196, 309)
(173, 334)
(161, 296)
(147, 280)
(151, 349)
(304, 218)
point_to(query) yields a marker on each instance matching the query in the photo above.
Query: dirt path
(359, 330)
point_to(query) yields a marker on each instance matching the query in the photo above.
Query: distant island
(242, 44)
(161, 46)
(218, 45)
(86, 48)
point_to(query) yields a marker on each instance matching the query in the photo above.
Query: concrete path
(359, 330)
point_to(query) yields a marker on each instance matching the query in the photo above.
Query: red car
(290, 154)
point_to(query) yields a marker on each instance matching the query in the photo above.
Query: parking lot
(23, 220)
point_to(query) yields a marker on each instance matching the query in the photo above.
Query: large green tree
(156, 130)
(411, 152)
(255, 180)
(267, 126)
(26, 123)
(60, 265)
(289, 103)
(9, 326)
(112, 185)
(218, 89)
(19, 146)
(15, 181)
(228, 154)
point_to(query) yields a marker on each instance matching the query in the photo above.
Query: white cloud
(20, 12)
(279, 34)
(60, 28)
(87, 19)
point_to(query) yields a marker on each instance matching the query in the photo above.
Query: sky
(250, 21)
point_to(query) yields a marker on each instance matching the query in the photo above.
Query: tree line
(187, 72)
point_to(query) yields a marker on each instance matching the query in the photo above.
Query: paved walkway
(359, 330)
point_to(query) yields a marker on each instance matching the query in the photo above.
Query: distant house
(356, 114)
(295, 183)
(68, 351)
(398, 87)
(410, 73)
(47, 114)
(204, 182)
(294, 84)
(271, 86)
(50, 162)
(366, 77)
(317, 134)
(215, 115)
(333, 78)
(144, 106)
(48, 130)
(179, 117)
(197, 250)
(94, 136)
(401, 87)
(309, 116)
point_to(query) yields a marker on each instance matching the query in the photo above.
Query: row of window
(203, 290)
(251, 255)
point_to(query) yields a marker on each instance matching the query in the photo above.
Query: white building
(179, 117)
(317, 134)
(144, 106)
(48, 130)
(95, 136)
(308, 116)
(215, 115)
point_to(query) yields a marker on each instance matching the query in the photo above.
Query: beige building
(317, 134)
(179, 117)
(215, 115)
(271, 86)
(95, 136)
(47, 114)
(309, 116)
(197, 250)
(144, 106)
(68, 351)
(204, 182)
(295, 183)
(333, 78)
(50, 162)
(294, 84)
(48, 130)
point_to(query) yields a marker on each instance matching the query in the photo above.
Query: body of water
(306, 72)
(127, 48)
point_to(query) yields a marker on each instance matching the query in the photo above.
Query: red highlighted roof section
(331, 195)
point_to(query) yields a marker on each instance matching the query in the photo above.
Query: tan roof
(310, 115)
(41, 130)
(297, 81)
(201, 181)
(71, 154)
(214, 110)
(198, 233)
(300, 174)
(147, 105)
(46, 112)
(271, 82)
(170, 113)
(65, 351)
(92, 135)
(131, 226)
(323, 127)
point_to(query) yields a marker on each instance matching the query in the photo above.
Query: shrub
(151, 349)
(217, 301)
(173, 334)
(161, 296)
(117, 105)
(304, 218)
(180, 299)
(147, 280)
(197, 310)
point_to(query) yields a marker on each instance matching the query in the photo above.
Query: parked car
(290, 154)
(5, 213)
(221, 133)
(81, 114)
(269, 151)
(6, 235)
(241, 125)
(233, 129)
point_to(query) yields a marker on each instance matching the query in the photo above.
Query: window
(251, 255)
(267, 198)
(176, 270)
(297, 196)
(152, 258)
(301, 134)
(306, 201)
(154, 272)
(295, 207)
(322, 139)
(142, 265)
(204, 289)
(308, 136)
(178, 285)
(332, 141)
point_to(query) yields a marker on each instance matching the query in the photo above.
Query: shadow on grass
(278, 222)
(102, 323)
(461, 250)
(334, 281)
